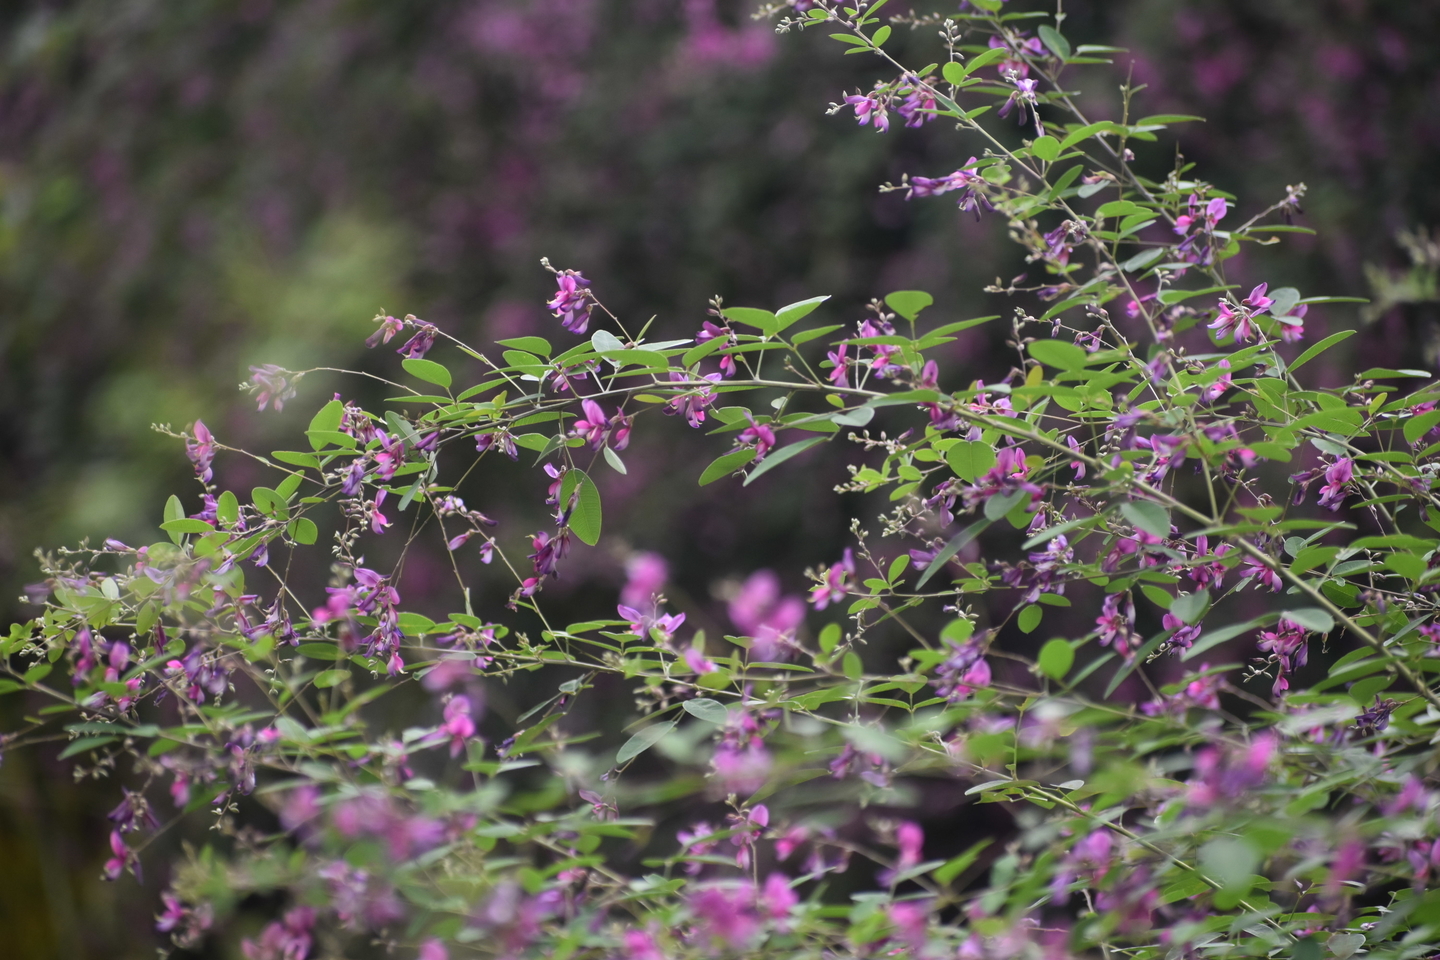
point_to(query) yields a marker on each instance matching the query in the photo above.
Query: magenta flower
(759, 611)
(1229, 320)
(758, 435)
(594, 426)
(646, 574)
(573, 302)
(458, 725)
(432, 949)
(840, 374)
(389, 326)
(289, 939)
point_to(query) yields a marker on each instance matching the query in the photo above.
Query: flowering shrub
(1154, 461)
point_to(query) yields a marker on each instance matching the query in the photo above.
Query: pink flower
(646, 574)
(833, 587)
(458, 725)
(201, 451)
(432, 949)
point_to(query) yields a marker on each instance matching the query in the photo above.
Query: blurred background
(189, 189)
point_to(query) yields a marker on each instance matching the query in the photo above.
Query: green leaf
(952, 547)
(970, 459)
(852, 667)
(643, 741)
(1075, 136)
(331, 678)
(1059, 354)
(1416, 427)
(1029, 618)
(778, 457)
(1142, 259)
(881, 35)
(303, 530)
(1119, 208)
(186, 525)
(726, 465)
(1056, 658)
(1051, 38)
(854, 418)
(427, 370)
(1168, 118)
(1285, 300)
(958, 865)
(326, 420)
(1320, 348)
(788, 315)
(711, 711)
(997, 507)
(909, 303)
(1214, 638)
(1046, 148)
(84, 744)
(752, 317)
(227, 508)
(807, 335)
(613, 459)
(1311, 618)
(536, 345)
(1064, 180)
(585, 517)
(1148, 516)
(1190, 607)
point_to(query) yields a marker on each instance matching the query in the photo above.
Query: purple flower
(1257, 301)
(420, 343)
(549, 551)
(1337, 480)
(201, 451)
(432, 949)
(870, 108)
(1025, 97)
(1184, 636)
(1288, 649)
(918, 107)
(961, 673)
(572, 303)
(692, 404)
(273, 385)
(1115, 626)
